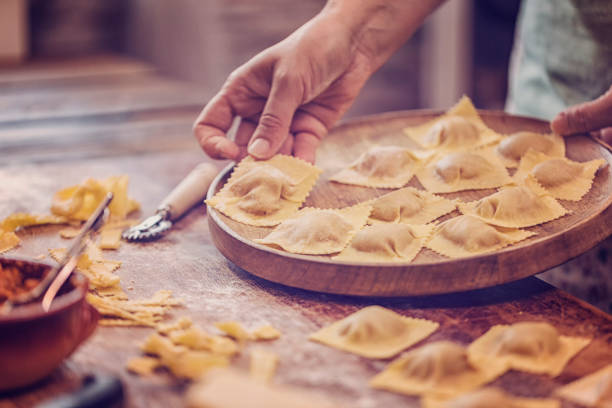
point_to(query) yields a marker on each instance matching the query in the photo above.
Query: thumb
(275, 121)
(585, 117)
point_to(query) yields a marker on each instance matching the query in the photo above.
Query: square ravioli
(467, 236)
(316, 231)
(375, 332)
(264, 193)
(459, 171)
(380, 166)
(440, 369)
(409, 206)
(516, 206)
(386, 243)
(512, 147)
(489, 397)
(594, 390)
(534, 347)
(459, 128)
(561, 177)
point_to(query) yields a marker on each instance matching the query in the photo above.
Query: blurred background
(463, 48)
(99, 78)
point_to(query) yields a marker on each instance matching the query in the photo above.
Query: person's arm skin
(594, 116)
(292, 93)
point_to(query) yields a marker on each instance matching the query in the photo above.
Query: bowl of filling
(34, 342)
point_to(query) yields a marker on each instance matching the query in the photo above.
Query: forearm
(379, 27)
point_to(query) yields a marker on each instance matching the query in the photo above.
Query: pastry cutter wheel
(189, 192)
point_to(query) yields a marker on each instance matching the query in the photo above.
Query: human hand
(291, 94)
(288, 96)
(594, 116)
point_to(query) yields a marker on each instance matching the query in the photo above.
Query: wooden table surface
(77, 130)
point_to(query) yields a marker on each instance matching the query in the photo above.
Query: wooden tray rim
(481, 258)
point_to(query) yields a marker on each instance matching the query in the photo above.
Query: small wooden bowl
(34, 342)
(589, 222)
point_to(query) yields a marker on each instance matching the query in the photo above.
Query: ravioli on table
(534, 347)
(489, 397)
(440, 369)
(375, 332)
(594, 390)
(264, 193)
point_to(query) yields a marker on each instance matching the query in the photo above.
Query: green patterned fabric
(562, 55)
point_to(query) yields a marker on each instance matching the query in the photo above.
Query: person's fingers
(210, 128)
(309, 129)
(287, 147)
(305, 146)
(243, 135)
(606, 135)
(585, 117)
(274, 122)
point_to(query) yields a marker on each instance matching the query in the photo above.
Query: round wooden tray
(589, 222)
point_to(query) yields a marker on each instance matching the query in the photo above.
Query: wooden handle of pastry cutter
(190, 191)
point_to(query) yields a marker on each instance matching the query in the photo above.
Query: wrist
(377, 28)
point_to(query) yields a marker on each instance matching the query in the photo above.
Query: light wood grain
(186, 262)
(589, 222)
(213, 289)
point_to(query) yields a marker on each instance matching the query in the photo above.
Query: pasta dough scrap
(535, 347)
(513, 147)
(375, 332)
(78, 202)
(594, 390)
(110, 238)
(143, 312)
(562, 178)
(489, 397)
(180, 324)
(98, 270)
(459, 128)
(266, 332)
(231, 389)
(143, 365)
(8, 226)
(459, 171)
(516, 206)
(467, 235)
(262, 365)
(386, 243)
(22, 220)
(441, 369)
(197, 339)
(8, 240)
(264, 193)
(410, 206)
(317, 231)
(69, 232)
(181, 361)
(234, 330)
(193, 364)
(380, 166)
